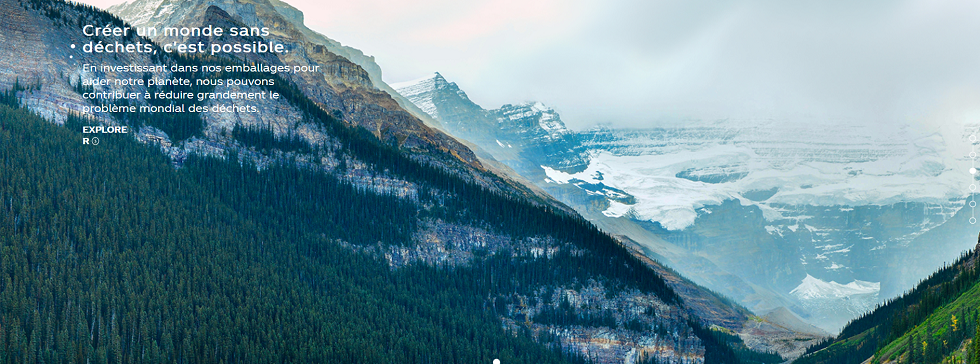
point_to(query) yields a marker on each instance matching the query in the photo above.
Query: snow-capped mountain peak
(423, 91)
(529, 124)
(155, 9)
(813, 287)
(549, 120)
(421, 84)
(530, 115)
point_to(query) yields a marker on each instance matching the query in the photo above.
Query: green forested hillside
(925, 325)
(938, 336)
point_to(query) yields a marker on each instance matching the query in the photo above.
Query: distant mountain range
(771, 214)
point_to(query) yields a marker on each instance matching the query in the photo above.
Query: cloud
(870, 62)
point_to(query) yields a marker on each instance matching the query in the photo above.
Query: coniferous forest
(112, 255)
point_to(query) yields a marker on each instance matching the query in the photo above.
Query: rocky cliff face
(538, 131)
(342, 84)
(295, 17)
(445, 102)
(531, 122)
(39, 50)
(40, 35)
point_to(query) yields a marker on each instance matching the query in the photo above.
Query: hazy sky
(645, 62)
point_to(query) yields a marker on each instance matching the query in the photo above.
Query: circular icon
(973, 204)
(973, 187)
(973, 171)
(973, 154)
(496, 361)
(973, 138)
(95, 141)
(973, 220)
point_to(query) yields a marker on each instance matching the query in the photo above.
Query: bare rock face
(341, 84)
(447, 103)
(43, 46)
(38, 50)
(295, 17)
(218, 18)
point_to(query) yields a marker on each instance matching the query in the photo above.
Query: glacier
(674, 172)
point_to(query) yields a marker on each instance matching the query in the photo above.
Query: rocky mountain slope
(343, 86)
(157, 12)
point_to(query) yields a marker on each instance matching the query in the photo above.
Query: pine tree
(910, 344)
(974, 351)
(916, 355)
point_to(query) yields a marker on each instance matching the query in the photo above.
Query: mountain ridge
(349, 88)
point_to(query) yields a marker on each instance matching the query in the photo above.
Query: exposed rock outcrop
(341, 84)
